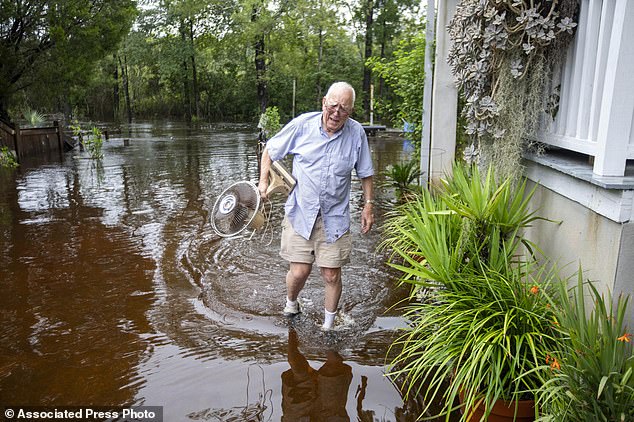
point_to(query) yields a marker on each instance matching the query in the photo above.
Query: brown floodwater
(116, 291)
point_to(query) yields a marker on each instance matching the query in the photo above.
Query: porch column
(444, 114)
(617, 105)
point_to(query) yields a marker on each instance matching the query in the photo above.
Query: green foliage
(309, 44)
(480, 318)
(33, 117)
(305, 42)
(405, 74)
(52, 47)
(592, 376)
(187, 58)
(7, 158)
(479, 336)
(502, 54)
(270, 122)
(391, 22)
(491, 39)
(92, 140)
(402, 176)
(472, 221)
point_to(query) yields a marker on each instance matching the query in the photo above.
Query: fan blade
(240, 219)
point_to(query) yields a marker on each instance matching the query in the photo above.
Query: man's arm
(265, 168)
(367, 215)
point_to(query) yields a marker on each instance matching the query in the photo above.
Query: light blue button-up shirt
(323, 169)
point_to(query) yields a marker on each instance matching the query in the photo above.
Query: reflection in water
(116, 290)
(314, 394)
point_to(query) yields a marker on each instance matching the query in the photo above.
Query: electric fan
(240, 206)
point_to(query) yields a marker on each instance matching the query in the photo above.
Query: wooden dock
(27, 142)
(371, 130)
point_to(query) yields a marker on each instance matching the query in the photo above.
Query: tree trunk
(367, 77)
(383, 42)
(4, 114)
(260, 65)
(260, 69)
(126, 88)
(115, 91)
(320, 56)
(319, 86)
(186, 88)
(194, 74)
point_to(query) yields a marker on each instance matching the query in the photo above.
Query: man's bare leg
(296, 278)
(333, 287)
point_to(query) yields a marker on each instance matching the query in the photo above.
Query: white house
(586, 180)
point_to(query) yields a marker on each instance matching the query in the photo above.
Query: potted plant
(592, 377)
(480, 319)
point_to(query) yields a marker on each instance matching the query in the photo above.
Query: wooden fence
(32, 141)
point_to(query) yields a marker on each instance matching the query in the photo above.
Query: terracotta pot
(503, 411)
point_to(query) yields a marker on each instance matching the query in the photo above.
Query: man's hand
(262, 187)
(367, 218)
(367, 214)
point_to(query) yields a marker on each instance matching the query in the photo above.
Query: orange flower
(534, 290)
(625, 338)
(553, 362)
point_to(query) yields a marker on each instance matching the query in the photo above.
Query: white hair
(340, 86)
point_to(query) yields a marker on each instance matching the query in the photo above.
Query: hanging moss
(520, 104)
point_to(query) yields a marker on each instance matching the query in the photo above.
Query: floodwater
(117, 292)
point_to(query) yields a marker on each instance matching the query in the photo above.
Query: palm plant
(471, 221)
(403, 175)
(486, 324)
(33, 117)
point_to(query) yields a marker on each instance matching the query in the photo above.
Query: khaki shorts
(316, 250)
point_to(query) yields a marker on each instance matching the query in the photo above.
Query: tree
(390, 24)
(404, 73)
(198, 59)
(368, 11)
(382, 22)
(256, 21)
(314, 48)
(56, 41)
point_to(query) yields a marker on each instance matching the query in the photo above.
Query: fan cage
(236, 208)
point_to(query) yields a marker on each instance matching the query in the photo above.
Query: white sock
(329, 318)
(290, 302)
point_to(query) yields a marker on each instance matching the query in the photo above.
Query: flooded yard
(117, 292)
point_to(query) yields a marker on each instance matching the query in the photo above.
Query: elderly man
(326, 147)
